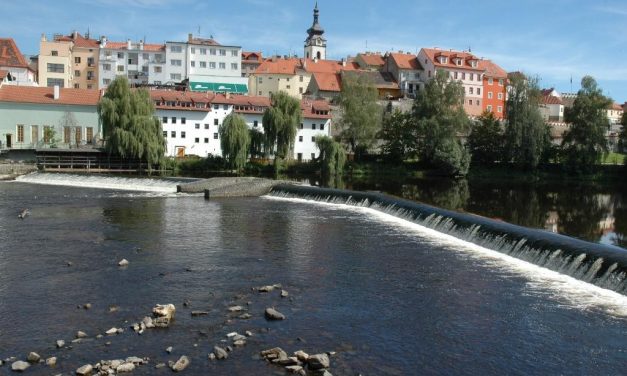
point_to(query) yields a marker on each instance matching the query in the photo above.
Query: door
(180, 151)
(9, 141)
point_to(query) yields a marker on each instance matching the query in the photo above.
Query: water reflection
(590, 211)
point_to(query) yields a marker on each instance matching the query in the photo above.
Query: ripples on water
(390, 297)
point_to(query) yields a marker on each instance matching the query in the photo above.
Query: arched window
(318, 55)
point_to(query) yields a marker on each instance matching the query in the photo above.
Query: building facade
(250, 62)
(141, 63)
(495, 89)
(406, 70)
(13, 62)
(68, 61)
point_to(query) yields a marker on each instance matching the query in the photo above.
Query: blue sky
(553, 39)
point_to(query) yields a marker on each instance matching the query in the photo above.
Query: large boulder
(33, 357)
(85, 370)
(220, 352)
(20, 366)
(164, 314)
(318, 361)
(273, 314)
(181, 364)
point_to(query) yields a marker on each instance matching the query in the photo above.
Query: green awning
(218, 87)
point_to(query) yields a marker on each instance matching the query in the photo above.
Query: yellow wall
(63, 57)
(278, 82)
(83, 68)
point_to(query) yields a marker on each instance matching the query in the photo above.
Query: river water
(389, 297)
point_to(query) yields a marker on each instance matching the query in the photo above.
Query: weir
(601, 265)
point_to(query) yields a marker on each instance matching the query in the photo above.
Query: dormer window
(473, 63)
(443, 59)
(458, 62)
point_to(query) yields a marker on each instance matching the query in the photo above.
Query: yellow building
(69, 61)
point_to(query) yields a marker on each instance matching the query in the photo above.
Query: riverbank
(9, 171)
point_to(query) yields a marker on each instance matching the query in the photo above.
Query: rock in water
(318, 361)
(273, 314)
(112, 331)
(220, 352)
(181, 364)
(51, 362)
(125, 367)
(19, 366)
(85, 370)
(33, 357)
(284, 294)
(169, 350)
(81, 334)
(123, 262)
(164, 314)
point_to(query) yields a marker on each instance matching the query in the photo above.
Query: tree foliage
(526, 134)
(440, 118)
(257, 139)
(234, 141)
(280, 125)
(486, 140)
(397, 136)
(332, 156)
(584, 143)
(622, 136)
(361, 114)
(130, 128)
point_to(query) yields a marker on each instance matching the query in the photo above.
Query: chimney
(74, 34)
(343, 62)
(141, 45)
(43, 37)
(128, 44)
(56, 92)
(227, 95)
(103, 41)
(190, 37)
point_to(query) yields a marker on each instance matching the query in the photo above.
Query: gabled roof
(372, 60)
(10, 55)
(78, 40)
(45, 95)
(616, 107)
(278, 66)
(405, 61)
(315, 109)
(380, 80)
(327, 66)
(124, 46)
(248, 56)
(466, 57)
(328, 81)
(493, 70)
(549, 99)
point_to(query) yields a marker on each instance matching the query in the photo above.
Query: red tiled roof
(372, 59)
(546, 91)
(161, 97)
(616, 107)
(405, 61)
(252, 56)
(549, 99)
(291, 65)
(3, 74)
(327, 66)
(79, 40)
(278, 66)
(44, 95)
(10, 55)
(124, 46)
(493, 70)
(315, 109)
(466, 57)
(328, 81)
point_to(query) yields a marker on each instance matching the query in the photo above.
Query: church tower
(315, 44)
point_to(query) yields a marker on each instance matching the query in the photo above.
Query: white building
(315, 44)
(191, 121)
(12, 61)
(140, 62)
(208, 65)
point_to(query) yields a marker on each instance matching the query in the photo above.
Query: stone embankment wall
(11, 170)
(230, 187)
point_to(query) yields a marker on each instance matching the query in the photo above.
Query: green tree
(397, 136)
(486, 140)
(234, 141)
(360, 119)
(584, 143)
(622, 137)
(332, 156)
(440, 118)
(130, 128)
(256, 143)
(280, 125)
(526, 134)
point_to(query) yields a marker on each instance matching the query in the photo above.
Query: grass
(613, 158)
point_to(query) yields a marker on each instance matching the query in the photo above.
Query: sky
(553, 40)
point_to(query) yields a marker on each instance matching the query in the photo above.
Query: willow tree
(234, 140)
(130, 128)
(332, 156)
(280, 125)
(257, 139)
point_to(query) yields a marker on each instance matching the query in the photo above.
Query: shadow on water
(585, 210)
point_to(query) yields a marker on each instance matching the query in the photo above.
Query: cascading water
(103, 182)
(601, 265)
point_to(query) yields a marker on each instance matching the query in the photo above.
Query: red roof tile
(493, 70)
(328, 81)
(549, 99)
(466, 57)
(315, 109)
(124, 46)
(10, 55)
(78, 40)
(370, 59)
(405, 61)
(327, 66)
(44, 95)
(278, 66)
(252, 56)
(3, 74)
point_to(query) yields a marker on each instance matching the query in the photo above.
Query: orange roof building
(495, 90)
(406, 70)
(370, 61)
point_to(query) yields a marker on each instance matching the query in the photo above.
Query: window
(196, 140)
(90, 61)
(501, 82)
(301, 79)
(301, 125)
(176, 49)
(173, 120)
(90, 75)
(478, 91)
(77, 60)
(203, 64)
(165, 134)
(77, 86)
(313, 155)
(215, 122)
(215, 136)
(300, 90)
(321, 127)
(212, 65)
(234, 66)
(157, 69)
(90, 86)
(183, 134)
(288, 87)
(20, 133)
(212, 51)
(193, 63)
(255, 123)
(193, 50)
(471, 90)
(500, 95)
(120, 55)
(173, 134)
(206, 126)
(225, 107)
(55, 82)
(478, 102)
(471, 76)
(206, 140)
(499, 109)
(313, 126)
(216, 107)
(106, 81)
(260, 80)
(120, 68)
(165, 120)
(463, 75)
(489, 108)
(54, 53)
(106, 67)
(176, 62)
(313, 138)
(260, 92)
(489, 95)
(300, 138)
(197, 125)
(55, 68)
(222, 52)
(470, 102)
(78, 135)
(490, 81)
(66, 134)
(233, 52)
(222, 65)
(203, 51)
(429, 73)
(175, 76)
(47, 133)
(145, 56)
(455, 74)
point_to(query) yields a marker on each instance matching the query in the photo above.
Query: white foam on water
(101, 182)
(540, 281)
